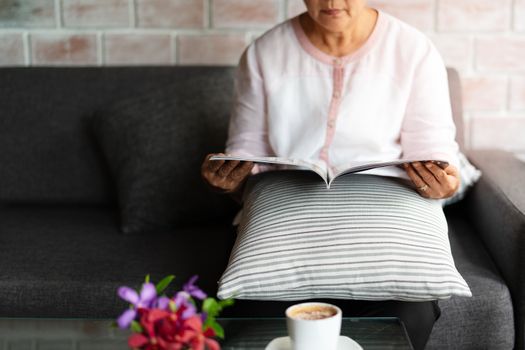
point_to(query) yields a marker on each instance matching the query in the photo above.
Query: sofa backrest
(46, 151)
(454, 85)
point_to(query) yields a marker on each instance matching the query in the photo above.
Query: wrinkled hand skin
(225, 176)
(431, 181)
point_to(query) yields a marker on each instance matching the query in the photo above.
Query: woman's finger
(454, 178)
(438, 173)
(449, 183)
(213, 165)
(227, 167)
(241, 171)
(452, 170)
(426, 175)
(416, 179)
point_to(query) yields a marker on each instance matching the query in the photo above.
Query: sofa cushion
(368, 238)
(486, 319)
(483, 321)
(91, 260)
(68, 261)
(154, 146)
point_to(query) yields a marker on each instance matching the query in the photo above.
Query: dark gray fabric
(91, 259)
(485, 320)
(505, 172)
(47, 153)
(154, 144)
(58, 261)
(68, 261)
(497, 210)
(54, 160)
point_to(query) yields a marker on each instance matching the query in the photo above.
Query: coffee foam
(313, 312)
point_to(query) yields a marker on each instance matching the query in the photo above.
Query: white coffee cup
(314, 334)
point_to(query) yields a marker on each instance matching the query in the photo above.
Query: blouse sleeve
(428, 130)
(248, 131)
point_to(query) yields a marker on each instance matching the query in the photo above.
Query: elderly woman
(345, 82)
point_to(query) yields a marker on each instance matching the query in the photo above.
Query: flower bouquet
(162, 323)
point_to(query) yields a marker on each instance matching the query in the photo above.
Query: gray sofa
(62, 254)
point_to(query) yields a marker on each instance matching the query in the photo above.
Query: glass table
(241, 333)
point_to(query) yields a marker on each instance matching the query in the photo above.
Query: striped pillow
(368, 237)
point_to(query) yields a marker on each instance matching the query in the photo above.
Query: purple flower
(146, 299)
(126, 318)
(193, 290)
(182, 299)
(163, 303)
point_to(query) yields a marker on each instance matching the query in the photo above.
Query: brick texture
(27, 13)
(137, 49)
(484, 93)
(64, 49)
(210, 49)
(170, 13)
(12, 49)
(96, 13)
(500, 53)
(474, 15)
(245, 13)
(519, 15)
(517, 93)
(456, 50)
(295, 7)
(498, 132)
(483, 39)
(419, 13)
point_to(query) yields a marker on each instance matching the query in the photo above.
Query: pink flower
(192, 335)
(159, 331)
(162, 323)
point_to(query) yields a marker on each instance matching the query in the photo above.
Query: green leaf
(113, 325)
(136, 327)
(226, 302)
(147, 279)
(217, 328)
(211, 307)
(162, 285)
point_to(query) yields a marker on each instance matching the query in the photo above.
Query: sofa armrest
(496, 208)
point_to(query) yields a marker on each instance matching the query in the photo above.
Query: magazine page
(358, 166)
(318, 167)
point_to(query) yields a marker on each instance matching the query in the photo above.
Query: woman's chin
(335, 25)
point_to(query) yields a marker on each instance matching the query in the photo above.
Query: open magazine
(328, 174)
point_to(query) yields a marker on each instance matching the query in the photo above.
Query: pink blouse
(387, 100)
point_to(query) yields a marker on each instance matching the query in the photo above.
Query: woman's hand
(225, 176)
(432, 181)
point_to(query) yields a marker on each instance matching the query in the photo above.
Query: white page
(355, 167)
(319, 167)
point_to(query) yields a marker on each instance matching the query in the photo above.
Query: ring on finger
(423, 188)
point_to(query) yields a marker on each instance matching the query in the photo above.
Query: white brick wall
(483, 39)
